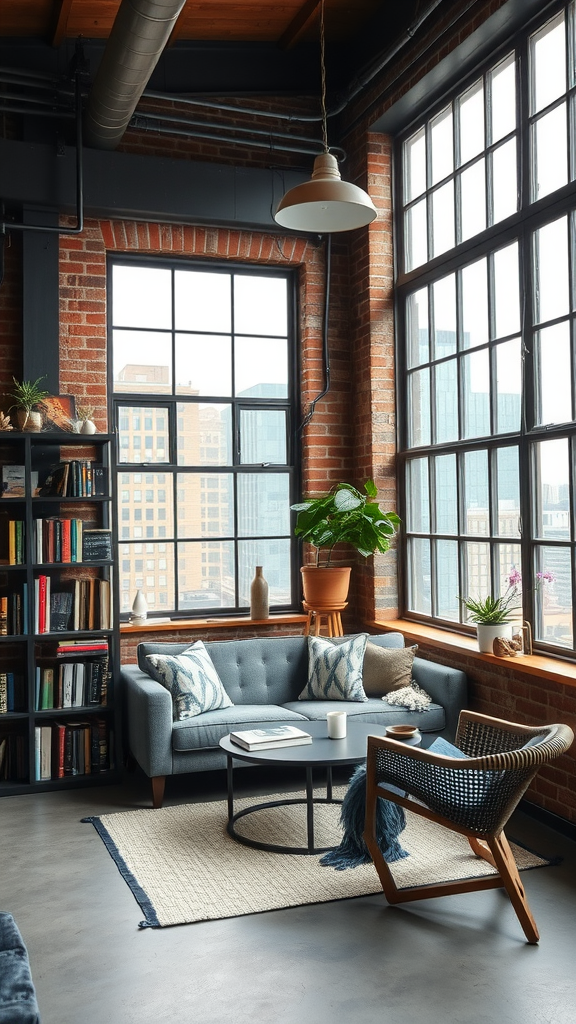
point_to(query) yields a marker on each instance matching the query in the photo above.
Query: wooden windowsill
(233, 622)
(550, 669)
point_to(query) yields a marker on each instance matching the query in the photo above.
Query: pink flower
(515, 578)
(545, 577)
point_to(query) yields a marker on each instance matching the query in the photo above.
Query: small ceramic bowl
(401, 732)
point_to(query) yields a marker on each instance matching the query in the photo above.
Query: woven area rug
(182, 866)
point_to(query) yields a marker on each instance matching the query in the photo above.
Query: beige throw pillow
(386, 668)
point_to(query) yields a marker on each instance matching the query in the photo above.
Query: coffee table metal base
(309, 800)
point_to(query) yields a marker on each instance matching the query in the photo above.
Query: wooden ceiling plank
(61, 13)
(299, 24)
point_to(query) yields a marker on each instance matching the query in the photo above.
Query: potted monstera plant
(26, 395)
(344, 515)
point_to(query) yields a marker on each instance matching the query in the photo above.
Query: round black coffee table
(321, 753)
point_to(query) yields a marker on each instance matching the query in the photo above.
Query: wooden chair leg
(158, 784)
(507, 867)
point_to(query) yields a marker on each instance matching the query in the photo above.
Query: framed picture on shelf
(58, 412)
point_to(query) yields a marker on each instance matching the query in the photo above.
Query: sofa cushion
(208, 729)
(335, 670)
(374, 710)
(192, 680)
(386, 669)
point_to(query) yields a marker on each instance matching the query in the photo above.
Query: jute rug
(182, 866)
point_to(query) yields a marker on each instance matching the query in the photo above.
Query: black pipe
(252, 143)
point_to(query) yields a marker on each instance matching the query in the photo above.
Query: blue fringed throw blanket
(390, 822)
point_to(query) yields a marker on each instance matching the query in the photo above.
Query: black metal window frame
(118, 400)
(520, 227)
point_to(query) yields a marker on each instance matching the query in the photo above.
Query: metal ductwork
(139, 34)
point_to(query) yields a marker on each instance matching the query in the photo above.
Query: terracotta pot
(325, 587)
(29, 421)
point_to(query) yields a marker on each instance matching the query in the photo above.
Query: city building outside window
(486, 215)
(203, 388)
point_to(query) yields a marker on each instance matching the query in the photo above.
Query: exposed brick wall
(129, 641)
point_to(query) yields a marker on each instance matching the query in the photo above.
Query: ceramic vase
(139, 609)
(29, 420)
(88, 427)
(488, 633)
(259, 605)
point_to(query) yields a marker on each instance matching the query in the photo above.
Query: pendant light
(325, 204)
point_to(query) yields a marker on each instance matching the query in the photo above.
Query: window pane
(162, 571)
(261, 367)
(554, 597)
(446, 385)
(442, 146)
(444, 295)
(476, 374)
(552, 275)
(206, 575)
(508, 561)
(419, 576)
(136, 446)
(417, 500)
(506, 291)
(447, 587)
(549, 140)
(415, 235)
(260, 305)
(419, 393)
(473, 200)
(477, 573)
(263, 436)
(417, 328)
(202, 301)
(503, 103)
(476, 508)
(274, 556)
(263, 504)
(508, 386)
(446, 494)
(142, 362)
(504, 181)
(554, 375)
(415, 166)
(205, 505)
(162, 508)
(141, 297)
(548, 64)
(204, 434)
(552, 483)
(443, 219)
(508, 493)
(475, 304)
(203, 364)
(471, 122)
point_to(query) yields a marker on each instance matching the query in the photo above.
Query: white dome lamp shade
(325, 204)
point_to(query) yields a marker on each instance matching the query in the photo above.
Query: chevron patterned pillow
(335, 670)
(192, 680)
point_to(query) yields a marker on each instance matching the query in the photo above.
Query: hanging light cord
(325, 350)
(323, 79)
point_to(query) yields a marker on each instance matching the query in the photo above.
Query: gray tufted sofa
(263, 678)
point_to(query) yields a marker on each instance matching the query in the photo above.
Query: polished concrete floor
(456, 960)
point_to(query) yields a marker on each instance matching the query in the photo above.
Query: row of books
(72, 684)
(70, 540)
(13, 757)
(72, 748)
(11, 692)
(85, 604)
(14, 611)
(12, 541)
(76, 478)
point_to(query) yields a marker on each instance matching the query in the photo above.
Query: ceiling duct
(139, 34)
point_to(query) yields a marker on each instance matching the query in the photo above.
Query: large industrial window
(487, 357)
(203, 389)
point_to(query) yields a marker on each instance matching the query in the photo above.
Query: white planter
(487, 635)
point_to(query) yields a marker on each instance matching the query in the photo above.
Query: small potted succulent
(26, 395)
(342, 516)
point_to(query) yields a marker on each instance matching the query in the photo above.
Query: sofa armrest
(447, 687)
(149, 721)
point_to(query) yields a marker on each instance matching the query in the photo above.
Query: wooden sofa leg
(158, 784)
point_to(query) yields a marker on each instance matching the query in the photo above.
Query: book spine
(66, 540)
(3, 693)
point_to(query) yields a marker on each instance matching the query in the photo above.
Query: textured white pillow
(412, 697)
(192, 680)
(335, 670)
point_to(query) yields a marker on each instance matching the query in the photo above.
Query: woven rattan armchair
(474, 796)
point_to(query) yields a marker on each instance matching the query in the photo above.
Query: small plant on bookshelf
(26, 395)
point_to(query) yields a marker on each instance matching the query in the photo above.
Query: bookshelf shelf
(59, 716)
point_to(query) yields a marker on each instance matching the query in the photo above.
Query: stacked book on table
(272, 736)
